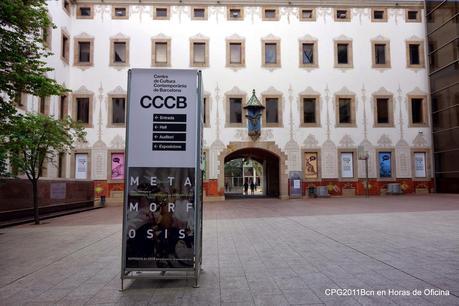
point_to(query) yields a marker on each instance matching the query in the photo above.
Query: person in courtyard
(246, 188)
(252, 188)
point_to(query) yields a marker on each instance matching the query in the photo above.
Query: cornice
(305, 3)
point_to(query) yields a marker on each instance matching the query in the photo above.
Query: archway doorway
(251, 172)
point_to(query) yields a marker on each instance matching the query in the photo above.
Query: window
(308, 54)
(343, 54)
(270, 14)
(82, 109)
(418, 111)
(272, 116)
(199, 53)
(413, 15)
(83, 52)
(415, 54)
(385, 164)
(63, 107)
(345, 111)
(161, 13)
(379, 15)
(161, 53)
(20, 99)
(65, 47)
(234, 111)
(381, 54)
(119, 55)
(419, 161)
(307, 14)
(384, 116)
(206, 111)
(199, 13)
(271, 53)
(61, 165)
(235, 53)
(310, 111)
(342, 15)
(84, 11)
(43, 105)
(46, 37)
(66, 6)
(235, 13)
(116, 165)
(120, 12)
(346, 164)
(117, 111)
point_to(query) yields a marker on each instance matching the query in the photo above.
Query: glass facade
(443, 42)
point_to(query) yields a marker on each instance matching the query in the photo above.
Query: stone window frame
(167, 41)
(76, 51)
(206, 110)
(355, 169)
(276, 11)
(47, 35)
(112, 51)
(61, 172)
(317, 124)
(280, 106)
(418, 17)
(78, 12)
(206, 169)
(278, 63)
(44, 102)
(206, 55)
(110, 123)
(425, 117)
(193, 17)
(420, 43)
(319, 168)
(168, 10)
(386, 53)
(243, 98)
(315, 63)
(228, 42)
(393, 178)
(350, 56)
(384, 10)
(348, 14)
(353, 123)
(428, 164)
(63, 111)
(20, 100)
(72, 165)
(234, 7)
(109, 165)
(66, 48)
(391, 123)
(300, 12)
(64, 4)
(117, 6)
(75, 96)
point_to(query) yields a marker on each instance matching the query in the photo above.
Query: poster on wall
(162, 223)
(385, 164)
(420, 164)
(310, 165)
(81, 166)
(347, 165)
(117, 166)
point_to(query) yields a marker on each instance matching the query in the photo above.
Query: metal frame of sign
(168, 273)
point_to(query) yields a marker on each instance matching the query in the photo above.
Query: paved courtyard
(256, 252)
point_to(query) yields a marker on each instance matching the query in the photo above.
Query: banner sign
(420, 164)
(347, 165)
(296, 179)
(162, 177)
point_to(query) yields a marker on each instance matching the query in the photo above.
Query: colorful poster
(81, 166)
(420, 164)
(310, 165)
(117, 166)
(347, 165)
(385, 164)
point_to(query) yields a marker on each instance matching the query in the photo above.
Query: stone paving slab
(257, 252)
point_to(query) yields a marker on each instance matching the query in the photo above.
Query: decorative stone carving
(81, 145)
(396, 13)
(266, 134)
(217, 11)
(329, 160)
(117, 91)
(402, 157)
(342, 37)
(420, 141)
(384, 141)
(416, 92)
(347, 142)
(371, 160)
(271, 91)
(324, 12)
(161, 36)
(99, 164)
(102, 10)
(361, 12)
(288, 11)
(199, 36)
(83, 91)
(235, 91)
(214, 163)
(117, 142)
(310, 142)
(235, 36)
(270, 37)
(293, 151)
(241, 134)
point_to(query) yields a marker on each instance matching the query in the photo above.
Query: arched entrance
(261, 163)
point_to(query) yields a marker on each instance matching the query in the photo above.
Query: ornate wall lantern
(254, 112)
